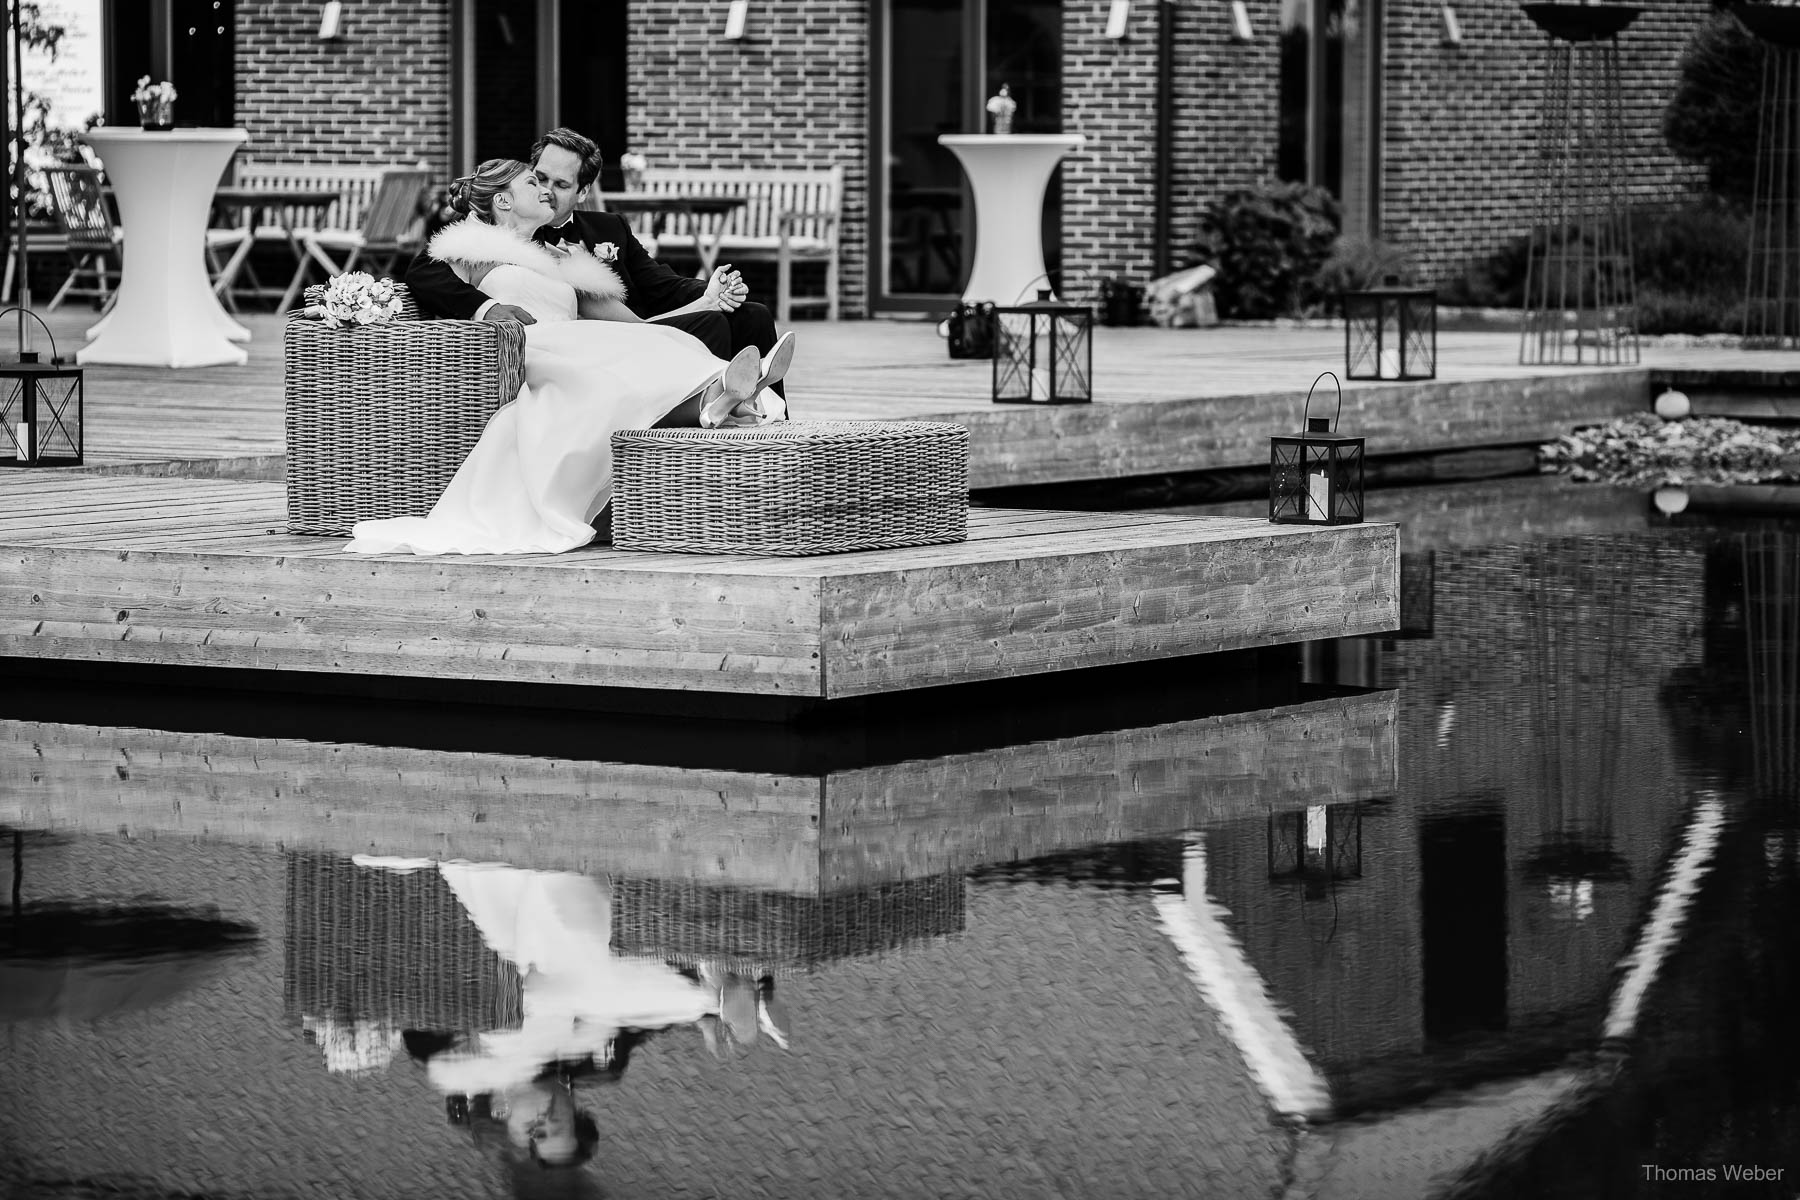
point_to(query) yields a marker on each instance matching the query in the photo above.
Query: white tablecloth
(1009, 173)
(166, 314)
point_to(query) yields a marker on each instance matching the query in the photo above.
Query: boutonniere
(607, 252)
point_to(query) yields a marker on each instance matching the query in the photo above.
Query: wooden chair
(389, 232)
(91, 240)
(40, 241)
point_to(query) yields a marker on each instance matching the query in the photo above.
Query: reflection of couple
(584, 1007)
(613, 340)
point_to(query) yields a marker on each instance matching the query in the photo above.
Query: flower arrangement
(155, 101)
(356, 298)
(633, 165)
(1002, 107)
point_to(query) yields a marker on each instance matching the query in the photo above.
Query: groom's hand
(508, 312)
(726, 289)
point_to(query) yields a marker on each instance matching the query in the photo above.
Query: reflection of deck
(793, 832)
(164, 572)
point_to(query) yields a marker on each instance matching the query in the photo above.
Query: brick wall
(1225, 113)
(1461, 123)
(1456, 148)
(794, 92)
(379, 94)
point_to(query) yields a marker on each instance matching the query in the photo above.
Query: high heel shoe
(775, 367)
(734, 385)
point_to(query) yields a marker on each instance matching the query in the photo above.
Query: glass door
(936, 62)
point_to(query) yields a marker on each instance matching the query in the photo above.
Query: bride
(542, 470)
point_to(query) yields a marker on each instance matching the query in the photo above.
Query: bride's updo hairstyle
(473, 195)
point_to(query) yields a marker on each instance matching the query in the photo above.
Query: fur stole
(470, 244)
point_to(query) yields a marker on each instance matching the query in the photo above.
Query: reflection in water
(1558, 942)
(87, 960)
(506, 984)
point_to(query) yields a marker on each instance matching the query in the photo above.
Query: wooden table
(706, 211)
(270, 208)
(166, 315)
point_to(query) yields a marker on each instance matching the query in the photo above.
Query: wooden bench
(355, 185)
(789, 216)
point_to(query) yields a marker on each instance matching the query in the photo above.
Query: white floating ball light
(1670, 499)
(1673, 405)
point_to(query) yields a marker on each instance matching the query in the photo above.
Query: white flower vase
(156, 115)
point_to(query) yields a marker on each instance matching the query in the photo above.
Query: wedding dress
(542, 470)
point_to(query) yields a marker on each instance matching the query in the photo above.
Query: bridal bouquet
(356, 298)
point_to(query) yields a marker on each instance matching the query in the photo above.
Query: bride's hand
(725, 291)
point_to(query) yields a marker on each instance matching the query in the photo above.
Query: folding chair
(90, 236)
(390, 231)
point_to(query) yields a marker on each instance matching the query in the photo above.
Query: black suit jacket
(650, 287)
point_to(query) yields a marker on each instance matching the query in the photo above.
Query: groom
(567, 165)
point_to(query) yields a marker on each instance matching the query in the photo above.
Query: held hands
(726, 290)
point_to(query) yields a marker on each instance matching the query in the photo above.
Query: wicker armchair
(379, 418)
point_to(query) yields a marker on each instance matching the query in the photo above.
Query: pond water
(1503, 905)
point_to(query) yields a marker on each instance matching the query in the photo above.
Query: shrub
(1268, 242)
(1688, 261)
(1697, 249)
(1711, 120)
(1357, 263)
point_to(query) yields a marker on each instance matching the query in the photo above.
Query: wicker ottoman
(797, 487)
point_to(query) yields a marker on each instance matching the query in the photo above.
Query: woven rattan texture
(756, 933)
(380, 417)
(798, 487)
(365, 944)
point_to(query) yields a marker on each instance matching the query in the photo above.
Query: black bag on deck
(971, 330)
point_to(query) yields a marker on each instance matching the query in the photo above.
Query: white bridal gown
(542, 470)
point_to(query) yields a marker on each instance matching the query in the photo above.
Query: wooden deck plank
(194, 580)
(1101, 603)
(1166, 400)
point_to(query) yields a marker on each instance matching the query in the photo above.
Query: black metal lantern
(40, 406)
(1043, 353)
(1390, 333)
(1316, 476)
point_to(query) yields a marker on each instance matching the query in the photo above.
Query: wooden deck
(1166, 400)
(805, 833)
(190, 572)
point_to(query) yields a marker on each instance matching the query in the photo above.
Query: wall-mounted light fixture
(1452, 26)
(735, 17)
(1118, 20)
(1240, 22)
(330, 18)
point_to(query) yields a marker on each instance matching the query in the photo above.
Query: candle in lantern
(1318, 495)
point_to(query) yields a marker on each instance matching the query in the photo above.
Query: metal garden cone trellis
(1772, 287)
(1580, 297)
